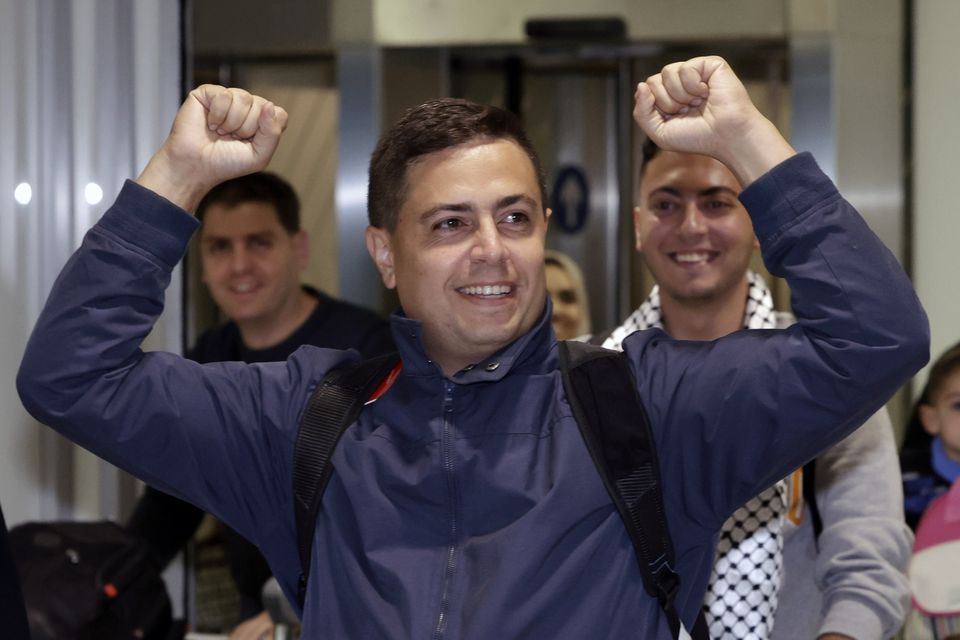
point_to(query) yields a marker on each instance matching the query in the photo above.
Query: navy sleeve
(218, 435)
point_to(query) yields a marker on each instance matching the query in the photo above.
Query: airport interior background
(88, 89)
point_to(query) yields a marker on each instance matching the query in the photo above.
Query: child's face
(942, 416)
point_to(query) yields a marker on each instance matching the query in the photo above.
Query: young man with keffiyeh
(847, 581)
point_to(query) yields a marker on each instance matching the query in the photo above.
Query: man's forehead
(240, 219)
(496, 169)
(237, 234)
(482, 149)
(687, 172)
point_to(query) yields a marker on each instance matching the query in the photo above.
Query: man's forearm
(78, 336)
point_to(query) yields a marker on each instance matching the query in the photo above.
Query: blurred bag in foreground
(90, 581)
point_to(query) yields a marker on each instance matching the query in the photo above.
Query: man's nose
(693, 222)
(488, 243)
(239, 259)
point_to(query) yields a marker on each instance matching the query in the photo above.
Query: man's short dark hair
(257, 187)
(648, 152)
(431, 127)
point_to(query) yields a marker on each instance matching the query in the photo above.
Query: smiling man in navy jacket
(464, 503)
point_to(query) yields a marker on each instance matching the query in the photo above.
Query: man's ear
(636, 228)
(301, 247)
(928, 418)
(380, 248)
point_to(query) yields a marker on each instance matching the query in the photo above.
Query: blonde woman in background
(571, 309)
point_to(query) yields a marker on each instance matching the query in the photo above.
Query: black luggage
(13, 618)
(89, 581)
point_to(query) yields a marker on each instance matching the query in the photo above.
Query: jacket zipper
(446, 454)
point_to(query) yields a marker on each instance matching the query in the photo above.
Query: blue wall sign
(569, 199)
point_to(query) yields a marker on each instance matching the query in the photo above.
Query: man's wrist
(173, 180)
(144, 219)
(757, 151)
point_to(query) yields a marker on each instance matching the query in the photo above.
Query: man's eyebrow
(454, 207)
(710, 191)
(466, 207)
(667, 190)
(520, 198)
(268, 233)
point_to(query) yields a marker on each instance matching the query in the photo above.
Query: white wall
(88, 89)
(936, 170)
(460, 22)
(847, 79)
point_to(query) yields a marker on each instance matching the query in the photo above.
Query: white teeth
(692, 257)
(242, 288)
(487, 290)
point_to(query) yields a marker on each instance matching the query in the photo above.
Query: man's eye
(217, 247)
(517, 217)
(448, 224)
(662, 206)
(718, 204)
(261, 243)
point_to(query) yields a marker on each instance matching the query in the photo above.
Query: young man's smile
(696, 237)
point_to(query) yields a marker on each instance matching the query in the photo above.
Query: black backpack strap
(334, 406)
(603, 397)
(809, 481)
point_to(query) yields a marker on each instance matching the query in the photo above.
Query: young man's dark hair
(257, 187)
(430, 127)
(648, 152)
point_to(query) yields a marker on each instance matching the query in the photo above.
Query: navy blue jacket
(167, 523)
(468, 507)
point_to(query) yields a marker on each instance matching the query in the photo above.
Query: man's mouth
(487, 290)
(242, 287)
(693, 257)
